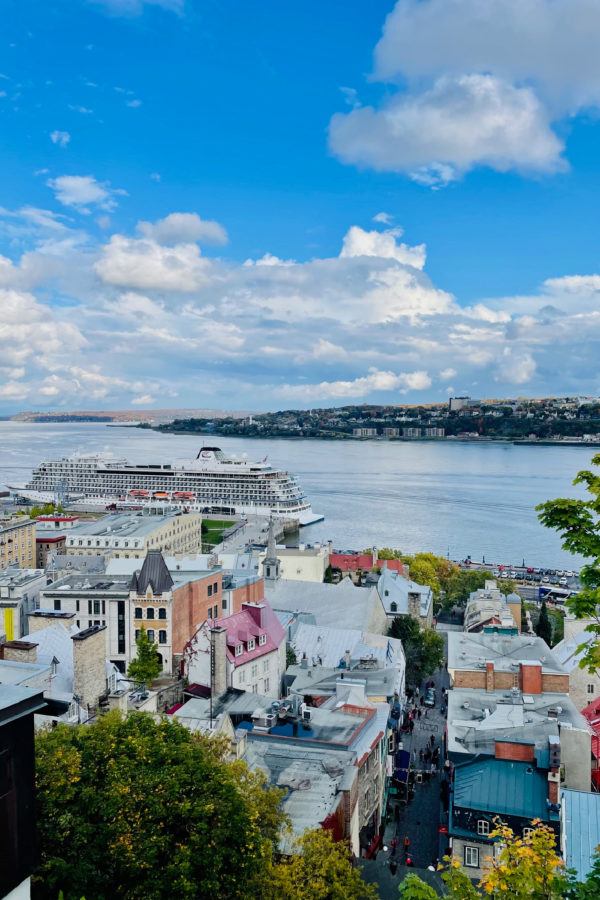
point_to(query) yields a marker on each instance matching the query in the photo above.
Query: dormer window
(239, 649)
(251, 644)
(483, 827)
(262, 640)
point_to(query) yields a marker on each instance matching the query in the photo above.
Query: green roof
(501, 786)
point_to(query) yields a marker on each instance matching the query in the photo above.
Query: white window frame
(470, 854)
(590, 688)
(239, 649)
(483, 827)
(262, 640)
(251, 644)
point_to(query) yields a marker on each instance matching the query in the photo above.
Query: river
(449, 498)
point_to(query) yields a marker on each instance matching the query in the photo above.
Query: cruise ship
(212, 483)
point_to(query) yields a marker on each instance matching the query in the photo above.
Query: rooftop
(17, 701)
(323, 682)
(476, 719)
(394, 588)
(329, 603)
(329, 645)
(581, 829)
(506, 651)
(501, 786)
(121, 525)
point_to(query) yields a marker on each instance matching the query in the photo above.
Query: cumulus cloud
(61, 138)
(83, 191)
(447, 374)
(147, 265)
(358, 242)
(384, 218)
(515, 367)
(183, 227)
(438, 135)
(359, 387)
(472, 84)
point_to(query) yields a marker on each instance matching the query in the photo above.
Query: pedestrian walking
(421, 755)
(432, 739)
(421, 700)
(406, 845)
(417, 692)
(432, 770)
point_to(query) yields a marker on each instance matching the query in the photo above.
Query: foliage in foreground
(137, 808)
(527, 868)
(578, 523)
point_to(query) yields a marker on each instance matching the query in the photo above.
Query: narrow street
(418, 819)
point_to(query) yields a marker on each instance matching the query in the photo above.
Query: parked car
(545, 580)
(430, 697)
(563, 582)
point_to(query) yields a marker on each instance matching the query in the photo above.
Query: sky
(234, 205)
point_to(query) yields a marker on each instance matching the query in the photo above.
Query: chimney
(553, 786)
(489, 676)
(41, 618)
(257, 611)
(304, 661)
(19, 651)
(347, 659)
(531, 677)
(218, 661)
(375, 557)
(330, 547)
(89, 664)
(414, 604)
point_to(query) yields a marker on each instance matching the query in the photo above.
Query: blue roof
(581, 832)
(501, 786)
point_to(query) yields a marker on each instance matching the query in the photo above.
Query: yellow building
(131, 535)
(17, 542)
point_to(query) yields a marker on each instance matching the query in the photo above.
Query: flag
(389, 655)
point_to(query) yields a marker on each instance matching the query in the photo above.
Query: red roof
(592, 714)
(50, 540)
(249, 624)
(349, 562)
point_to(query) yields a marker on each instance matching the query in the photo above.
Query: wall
(89, 665)
(191, 606)
(250, 593)
(503, 681)
(17, 544)
(378, 621)
(575, 756)
(298, 565)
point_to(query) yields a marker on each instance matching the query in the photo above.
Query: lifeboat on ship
(183, 495)
(138, 493)
(160, 495)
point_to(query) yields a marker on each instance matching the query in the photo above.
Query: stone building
(131, 535)
(584, 686)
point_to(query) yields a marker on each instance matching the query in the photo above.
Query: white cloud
(14, 390)
(61, 138)
(184, 227)
(81, 109)
(515, 367)
(133, 103)
(446, 374)
(144, 264)
(136, 7)
(439, 134)
(359, 387)
(358, 242)
(144, 400)
(384, 218)
(517, 40)
(269, 260)
(82, 191)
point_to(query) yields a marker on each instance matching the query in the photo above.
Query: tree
(290, 657)
(414, 888)
(588, 889)
(526, 868)
(423, 648)
(543, 629)
(146, 665)
(131, 807)
(328, 577)
(320, 870)
(578, 523)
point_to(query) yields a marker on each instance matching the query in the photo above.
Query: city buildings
(17, 542)
(584, 686)
(19, 591)
(402, 597)
(131, 535)
(488, 606)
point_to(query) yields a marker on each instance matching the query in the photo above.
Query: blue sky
(266, 205)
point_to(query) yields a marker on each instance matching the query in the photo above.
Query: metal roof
(501, 786)
(581, 829)
(467, 650)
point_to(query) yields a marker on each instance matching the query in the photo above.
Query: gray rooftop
(312, 780)
(78, 584)
(126, 525)
(472, 651)
(319, 680)
(15, 673)
(394, 589)
(329, 603)
(330, 644)
(476, 719)
(17, 701)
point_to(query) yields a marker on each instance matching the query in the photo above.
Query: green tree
(328, 577)
(131, 807)
(290, 657)
(146, 665)
(543, 629)
(414, 888)
(578, 523)
(423, 648)
(588, 889)
(321, 869)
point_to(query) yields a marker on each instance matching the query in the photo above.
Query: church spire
(271, 561)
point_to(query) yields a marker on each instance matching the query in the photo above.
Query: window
(472, 856)
(138, 612)
(215, 587)
(393, 606)
(96, 607)
(239, 649)
(150, 612)
(262, 640)
(266, 665)
(151, 635)
(57, 603)
(483, 827)
(216, 612)
(162, 613)
(242, 677)
(89, 607)
(162, 637)
(137, 634)
(210, 612)
(266, 686)
(251, 645)
(77, 606)
(210, 590)
(528, 831)
(255, 689)
(254, 671)
(590, 688)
